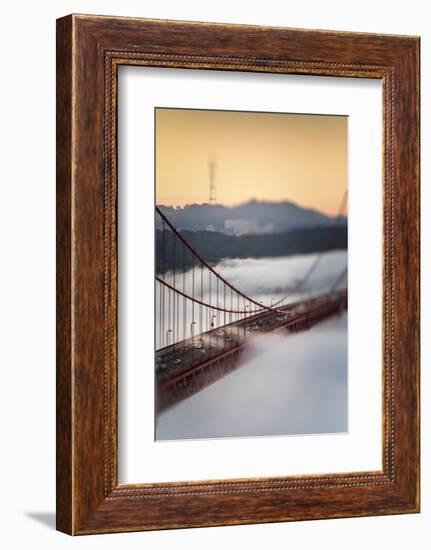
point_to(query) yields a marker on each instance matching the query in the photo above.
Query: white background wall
(27, 239)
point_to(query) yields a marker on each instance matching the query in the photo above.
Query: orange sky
(265, 156)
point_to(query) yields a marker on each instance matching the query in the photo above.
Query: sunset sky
(264, 156)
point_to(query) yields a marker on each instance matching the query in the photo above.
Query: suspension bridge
(203, 321)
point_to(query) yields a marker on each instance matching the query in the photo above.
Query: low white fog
(286, 384)
(295, 384)
(276, 277)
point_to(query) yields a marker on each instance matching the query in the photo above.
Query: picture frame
(89, 51)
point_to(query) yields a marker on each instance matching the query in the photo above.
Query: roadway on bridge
(179, 358)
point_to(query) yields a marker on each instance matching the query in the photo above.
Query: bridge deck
(186, 367)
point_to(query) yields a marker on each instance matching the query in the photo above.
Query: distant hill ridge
(215, 246)
(253, 217)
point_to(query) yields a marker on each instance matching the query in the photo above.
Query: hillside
(253, 217)
(215, 246)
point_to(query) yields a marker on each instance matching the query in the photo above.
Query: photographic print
(250, 274)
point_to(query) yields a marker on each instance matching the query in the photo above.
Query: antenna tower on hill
(212, 186)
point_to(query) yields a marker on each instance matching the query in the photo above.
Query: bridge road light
(212, 325)
(167, 336)
(192, 331)
(261, 303)
(246, 313)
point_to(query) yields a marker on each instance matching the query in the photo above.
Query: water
(286, 384)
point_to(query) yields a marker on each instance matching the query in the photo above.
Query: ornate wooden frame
(89, 50)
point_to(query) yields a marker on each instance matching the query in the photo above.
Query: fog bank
(288, 384)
